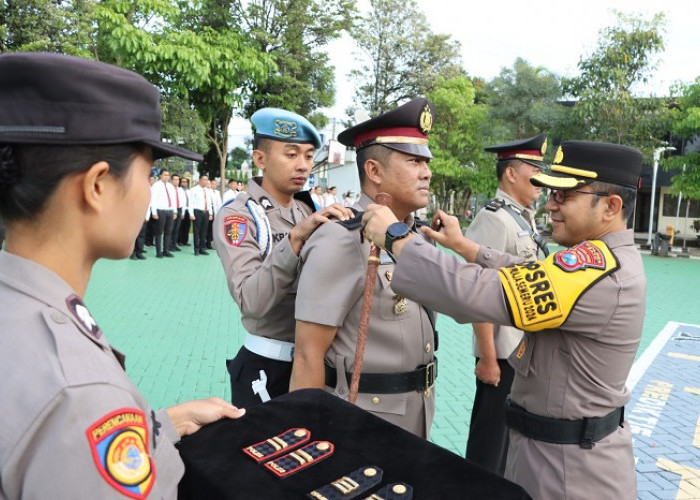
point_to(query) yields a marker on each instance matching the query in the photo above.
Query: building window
(671, 205)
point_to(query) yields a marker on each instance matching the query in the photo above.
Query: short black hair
(376, 152)
(30, 173)
(628, 195)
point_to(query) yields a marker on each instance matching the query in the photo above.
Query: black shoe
(204, 252)
(176, 249)
(133, 256)
(159, 255)
(140, 256)
(148, 244)
(168, 254)
(209, 247)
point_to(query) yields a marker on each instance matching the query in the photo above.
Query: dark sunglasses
(560, 195)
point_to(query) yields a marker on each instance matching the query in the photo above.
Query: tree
(607, 107)
(402, 56)
(294, 33)
(190, 53)
(686, 124)
(459, 167)
(523, 101)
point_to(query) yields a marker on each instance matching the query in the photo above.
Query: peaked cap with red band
(530, 150)
(404, 129)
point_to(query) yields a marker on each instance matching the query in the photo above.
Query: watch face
(398, 230)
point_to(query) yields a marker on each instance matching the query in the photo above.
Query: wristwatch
(394, 232)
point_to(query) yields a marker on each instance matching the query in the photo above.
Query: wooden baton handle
(365, 312)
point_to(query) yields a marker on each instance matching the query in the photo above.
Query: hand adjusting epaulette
(355, 222)
(495, 204)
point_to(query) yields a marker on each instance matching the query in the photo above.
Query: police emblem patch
(582, 256)
(286, 128)
(118, 442)
(235, 229)
(81, 313)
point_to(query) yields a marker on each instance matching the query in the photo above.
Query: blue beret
(285, 126)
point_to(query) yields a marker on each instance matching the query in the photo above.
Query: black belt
(583, 432)
(421, 379)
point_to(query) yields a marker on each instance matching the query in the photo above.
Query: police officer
(582, 311)
(506, 224)
(258, 236)
(77, 141)
(399, 366)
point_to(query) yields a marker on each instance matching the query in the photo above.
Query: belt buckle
(430, 376)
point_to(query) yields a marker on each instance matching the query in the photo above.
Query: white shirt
(215, 195)
(162, 196)
(229, 195)
(200, 199)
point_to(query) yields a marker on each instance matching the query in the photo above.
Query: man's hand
(488, 371)
(446, 231)
(303, 231)
(190, 416)
(375, 222)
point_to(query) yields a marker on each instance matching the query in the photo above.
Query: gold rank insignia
(285, 128)
(389, 275)
(543, 149)
(401, 305)
(426, 120)
(559, 156)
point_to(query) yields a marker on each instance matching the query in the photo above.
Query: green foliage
(237, 156)
(523, 101)
(293, 33)
(402, 56)
(607, 108)
(686, 124)
(459, 167)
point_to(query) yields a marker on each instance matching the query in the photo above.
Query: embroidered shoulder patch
(542, 294)
(119, 446)
(235, 229)
(582, 256)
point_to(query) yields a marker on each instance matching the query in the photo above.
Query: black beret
(581, 162)
(404, 129)
(65, 100)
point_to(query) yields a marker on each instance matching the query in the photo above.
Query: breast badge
(118, 442)
(400, 306)
(235, 229)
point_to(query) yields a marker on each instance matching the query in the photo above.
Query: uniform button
(58, 317)
(487, 255)
(428, 347)
(375, 400)
(399, 489)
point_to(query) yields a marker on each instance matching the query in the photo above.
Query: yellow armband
(541, 294)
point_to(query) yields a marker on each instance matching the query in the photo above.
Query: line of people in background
(176, 210)
(322, 200)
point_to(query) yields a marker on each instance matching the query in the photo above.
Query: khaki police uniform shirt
(334, 270)
(58, 378)
(574, 371)
(500, 231)
(263, 287)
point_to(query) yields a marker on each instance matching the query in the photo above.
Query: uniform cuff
(168, 426)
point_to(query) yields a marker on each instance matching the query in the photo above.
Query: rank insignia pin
(394, 491)
(349, 486)
(401, 305)
(300, 458)
(265, 450)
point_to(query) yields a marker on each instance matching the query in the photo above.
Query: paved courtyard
(176, 323)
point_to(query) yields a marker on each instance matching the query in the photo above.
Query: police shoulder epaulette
(262, 223)
(354, 223)
(495, 204)
(420, 222)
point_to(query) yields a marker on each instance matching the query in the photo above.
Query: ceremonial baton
(381, 199)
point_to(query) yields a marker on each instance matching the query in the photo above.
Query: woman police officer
(77, 142)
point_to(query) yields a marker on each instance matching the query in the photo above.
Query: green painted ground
(176, 323)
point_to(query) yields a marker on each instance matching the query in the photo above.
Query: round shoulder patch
(119, 446)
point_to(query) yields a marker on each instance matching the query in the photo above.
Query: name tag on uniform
(523, 233)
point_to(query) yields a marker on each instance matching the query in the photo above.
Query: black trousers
(245, 368)
(140, 239)
(176, 229)
(201, 221)
(184, 233)
(151, 231)
(164, 231)
(487, 444)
